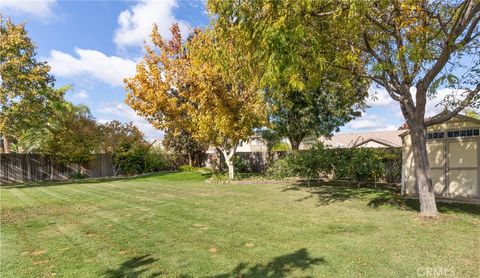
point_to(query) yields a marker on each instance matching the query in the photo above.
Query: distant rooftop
(375, 139)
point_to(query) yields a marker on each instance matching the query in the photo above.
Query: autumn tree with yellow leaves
(197, 86)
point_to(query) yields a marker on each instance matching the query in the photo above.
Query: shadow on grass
(84, 181)
(134, 267)
(332, 192)
(384, 195)
(280, 266)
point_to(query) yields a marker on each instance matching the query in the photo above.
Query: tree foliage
(299, 114)
(26, 88)
(184, 144)
(75, 137)
(196, 87)
(114, 134)
(411, 48)
(307, 94)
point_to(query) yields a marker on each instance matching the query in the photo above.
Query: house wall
(454, 162)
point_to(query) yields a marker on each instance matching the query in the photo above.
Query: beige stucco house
(454, 155)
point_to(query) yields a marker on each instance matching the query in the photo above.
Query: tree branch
(447, 116)
(465, 16)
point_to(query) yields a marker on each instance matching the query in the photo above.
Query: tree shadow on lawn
(280, 266)
(83, 181)
(134, 267)
(385, 194)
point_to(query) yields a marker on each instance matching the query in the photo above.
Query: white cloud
(82, 94)
(122, 112)
(385, 113)
(372, 122)
(41, 9)
(109, 69)
(135, 23)
(363, 123)
(379, 97)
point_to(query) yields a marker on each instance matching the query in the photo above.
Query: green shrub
(130, 159)
(282, 168)
(312, 163)
(359, 164)
(366, 165)
(341, 161)
(241, 165)
(155, 162)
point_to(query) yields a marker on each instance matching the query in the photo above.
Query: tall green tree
(26, 86)
(413, 48)
(75, 138)
(299, 114)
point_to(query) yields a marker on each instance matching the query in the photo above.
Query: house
(453, 153)
(254, 144)
(377, 139)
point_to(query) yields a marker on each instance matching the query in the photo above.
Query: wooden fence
(16, 168)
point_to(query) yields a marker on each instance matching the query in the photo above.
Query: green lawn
(176, 225)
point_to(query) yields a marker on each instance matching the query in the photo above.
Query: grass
(176, 225)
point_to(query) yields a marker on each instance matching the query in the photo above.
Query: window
(463, 133)
(240, 144)
(435, 135)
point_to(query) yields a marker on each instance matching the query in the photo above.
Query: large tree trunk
(295, 143)
(428, 208)
(231, 170)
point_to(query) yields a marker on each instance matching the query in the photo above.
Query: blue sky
(93, 45)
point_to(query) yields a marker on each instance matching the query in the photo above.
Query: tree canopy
(196, 86)
(308, 90)
(412, 48)
(26, 89)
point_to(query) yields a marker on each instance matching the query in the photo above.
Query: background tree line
(36, 118)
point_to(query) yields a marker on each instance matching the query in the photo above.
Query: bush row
(137, 159)
(359, 164)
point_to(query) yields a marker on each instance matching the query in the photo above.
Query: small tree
(299, 114)
(271, 139)
(366, 165)
(76, 137)
(114, 134)
(197, 87)
(312, 163)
